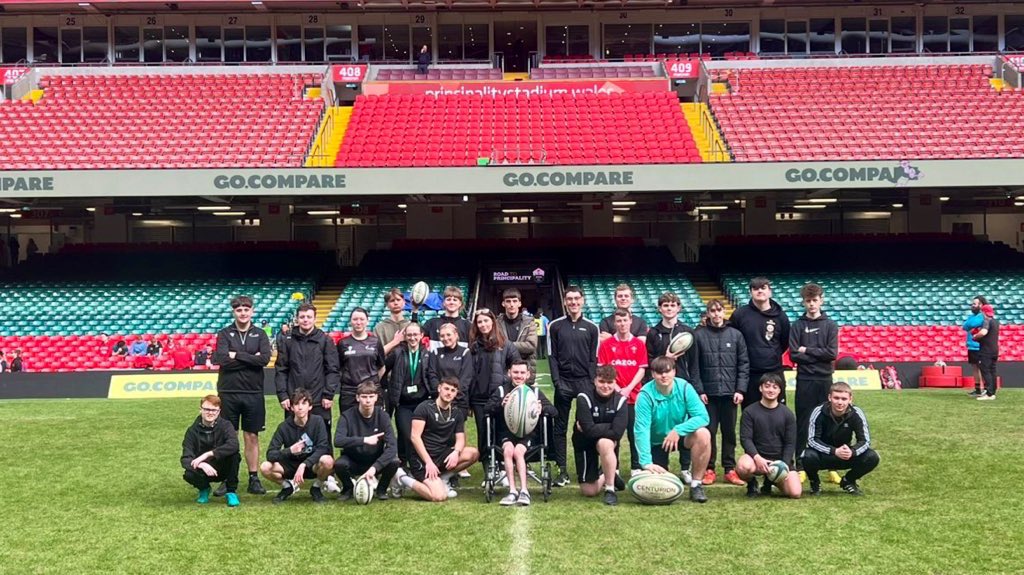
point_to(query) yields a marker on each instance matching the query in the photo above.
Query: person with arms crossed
(367, 444)
(601, 419)
(209, 452)
(627, 354)
(670, 415)
(360, 359)
(767, 434)
(439, 440)
(242, 352)
(519, 328)
(813, 346)
(833, 426)
(624, 297)
(572, 358)
(972, 324)
(765, 328)
(307, 359)
(299, 450)
(407, 385)
(387, 330)
(724, 369)
(453, 302)
(988, 352)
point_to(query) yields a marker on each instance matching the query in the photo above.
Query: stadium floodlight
(137, 214)
(16, 216)
(402, 206)
(624, 204)
(820, 200)
(229, 213)
(213, 208)
(90, 210)
(517, 211)
(712, 208)
(897, 205)
(323, 212)
(943, 198)
(622, 209)
(809, 207)
(8, 210)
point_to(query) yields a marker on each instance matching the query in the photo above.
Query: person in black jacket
(367, 444)
(242, 351)
(307, 359)
(452, 360)
(492, 357)
(423, 60)
(813, 346)
(407, 385)
(299, 450)
(209, 452)
(601, 419)
(767, 434)
(765, 328)
(724, 369)
(572, 359)
(360, 359)
(832, 429)
(453, 304)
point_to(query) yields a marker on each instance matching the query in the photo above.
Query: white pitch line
(519, 551)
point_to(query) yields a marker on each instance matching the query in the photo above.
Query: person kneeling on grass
(830, 445)
(768, 433)
(438, 437)
(670, 415)
(209, 452)
(368, 447)
(602, 415)
(299, 450)
(514, 448)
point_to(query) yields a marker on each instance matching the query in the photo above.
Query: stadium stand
(446, 73)
(457, 130)
(664, 57)
(595, 71)
(161, 121)
(647, 287)
(868, 113)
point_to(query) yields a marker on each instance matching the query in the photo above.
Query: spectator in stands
(813, 346)
(155, 348)
(31, 250)
(388, 329)
(519, 328)
(120, 348)
(282, 334)
(17, 364)
(765, 329)
(542, 334)
(139, 347)
(4, 366)
(971, 327)
(988, 353)
(139, 352)
(265, 326)
(182, 357)
(624, 297)
(15, 248)
(423, 60)
(203, 356)
(833, 426)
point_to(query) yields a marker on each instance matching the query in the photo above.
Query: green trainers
(231, 499)
(204, 496)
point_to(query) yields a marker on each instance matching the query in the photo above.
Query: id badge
(411, 389)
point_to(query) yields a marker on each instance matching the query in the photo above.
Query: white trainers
(634, 472)
(331, 485)
(452, 494)
(511, 499)
(986, 397)
(687, 477)
(395, 487)
(524, 498)
(503, 479)
(464, 473)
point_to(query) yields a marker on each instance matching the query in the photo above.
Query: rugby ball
(363, 490)
(655, 488)
(777, 471)
(419, 292)
(680, 343)
(521, 411)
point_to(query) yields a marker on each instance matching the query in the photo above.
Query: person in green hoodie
(670, 415)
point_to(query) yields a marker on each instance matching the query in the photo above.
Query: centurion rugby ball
(777, 471)
(363, 490)
(420, 291)
(680, 343)
(521, 414)
(655, 488)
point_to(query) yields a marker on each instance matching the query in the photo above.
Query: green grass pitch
(94, 486)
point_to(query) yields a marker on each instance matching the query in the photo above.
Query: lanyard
(414, 362)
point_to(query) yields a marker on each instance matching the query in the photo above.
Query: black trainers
(619, 483)
(220, 491)
(850, 487)
(345, 495)
(256, 488)
(697, 494)
(317, 495)
(382, 495)
(752, 488)
(563, 479)
(815, 488)
(283, 494)
(766, 488)
(610, 498)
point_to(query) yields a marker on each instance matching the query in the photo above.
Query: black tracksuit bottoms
(227, 471)
(810, 393)
(722, 413)
(859, 466)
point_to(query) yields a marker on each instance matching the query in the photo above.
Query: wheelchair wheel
(547, 482)
(489, 490)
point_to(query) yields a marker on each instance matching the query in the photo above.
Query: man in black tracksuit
(765, 328)
(407, 385)
(367, 444)
(813, 346)
(242, 351)
(209, 452)
(572, 357)
(307, 359)
(833, 426)
(724, 370)
(299, 450)
(601, 419)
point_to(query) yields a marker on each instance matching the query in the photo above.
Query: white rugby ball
(680, 343)
(521, 413)
(655, 488)
(777, 471)
(420, 291)
(363, 490)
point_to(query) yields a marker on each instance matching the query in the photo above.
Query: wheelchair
(538, 452)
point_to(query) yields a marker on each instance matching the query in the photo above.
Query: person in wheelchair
(601, 418)
(513, 448)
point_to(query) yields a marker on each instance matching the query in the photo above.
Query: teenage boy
(768, 433)
(519, 328)
(514, 448)
(572, 358)
(307, 359)
(242, 351)
(388, 329)
(670, 415)
(453, 303)
(209, 452)
(839, 439)
(627, 354)
(601, 419)
(724, 370)
(624, 297)
(765, 329)
(367, 444)
(299, 450)
(813, 346)
(439, 439)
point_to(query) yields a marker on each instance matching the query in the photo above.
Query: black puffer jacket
(724, 366)
(490, 370)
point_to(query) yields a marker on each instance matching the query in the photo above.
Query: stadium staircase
(330, 135)
(708, 290)
(705, 132)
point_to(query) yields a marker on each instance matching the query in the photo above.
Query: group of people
(982, 342)
(406, 389)
(143, 351)
(11, 363)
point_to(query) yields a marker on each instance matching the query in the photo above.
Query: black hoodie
(309, 361)
(222, 439)
(314, 434)
(821, 338)
(244, 373)
(766, 334)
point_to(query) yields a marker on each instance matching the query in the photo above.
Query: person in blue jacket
(973, 323)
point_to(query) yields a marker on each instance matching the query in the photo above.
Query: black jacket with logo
(222, 439)
(724, 367)
(244, 373)
(766, 334)
(827, 432)
(821, 338)
(309, 361)
(600, 417)
(572, 353)
(447, 362)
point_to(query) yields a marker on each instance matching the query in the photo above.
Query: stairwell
(329, 137)
(705, 132)
(708, 289)
(325, 298)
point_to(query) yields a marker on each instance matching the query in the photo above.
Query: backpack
(890, 378)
